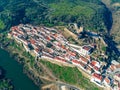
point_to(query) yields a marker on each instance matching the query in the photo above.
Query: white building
(97, 79)
(106, 82)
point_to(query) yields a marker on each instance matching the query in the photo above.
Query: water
(14, 71)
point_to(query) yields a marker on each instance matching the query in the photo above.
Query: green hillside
(91, 14)
(114, 1)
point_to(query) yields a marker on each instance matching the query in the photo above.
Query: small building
(83, 60)
(111, 68)
(117, 77)
(115, 62)
(95, 63)
(106, 81)
(82, 65)
(76, 62)
(86, 50)
(64, 88)
(36, 51)
(89, 69)
(97, 79)
(96, 69)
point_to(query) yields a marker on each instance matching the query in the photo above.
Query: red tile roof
(37, 50)
(98, 76)
(63, 47)
(48, 38)
(112, 67)
(73, 53)
(107, 80)
(82, 64)
(55, 35)
(83, 59)
(96, 68)
(118, 66)
(15, 34)
(61, 59)
(88, 68)
(14, 28)
(93, 63)
(32, 41)
(87, 48)
(76, 61)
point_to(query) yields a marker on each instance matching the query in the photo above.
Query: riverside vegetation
(18, 53)
(5, 84)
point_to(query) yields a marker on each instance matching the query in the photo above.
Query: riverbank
(5, 83)
(14, 71)
(33, 71)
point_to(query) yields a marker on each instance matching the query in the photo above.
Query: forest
(91, 14)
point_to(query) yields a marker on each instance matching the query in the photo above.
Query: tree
(2, 25)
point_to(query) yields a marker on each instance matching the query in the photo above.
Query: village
(49, 43)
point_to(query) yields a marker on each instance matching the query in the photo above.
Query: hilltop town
(50, 43)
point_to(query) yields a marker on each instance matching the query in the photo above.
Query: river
(14, 71)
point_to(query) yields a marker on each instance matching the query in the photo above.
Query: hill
(114, 6)
(91, 14)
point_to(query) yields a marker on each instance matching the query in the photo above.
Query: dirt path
(58, 62)
(84, 73)
(68, 33)
(45, 87)
(69, 65)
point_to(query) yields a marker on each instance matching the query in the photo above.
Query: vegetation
(2, 26)
(70, 75)
(72, 40)
(5, 85)
(91, 14)
(115, 8)
(104, 48)
(25, 58)
(114, 1)
(86, 13)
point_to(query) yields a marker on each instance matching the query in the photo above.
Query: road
(71, 87)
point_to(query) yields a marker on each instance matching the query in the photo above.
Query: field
(70, 75)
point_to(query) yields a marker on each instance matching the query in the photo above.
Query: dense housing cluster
(51, 44)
